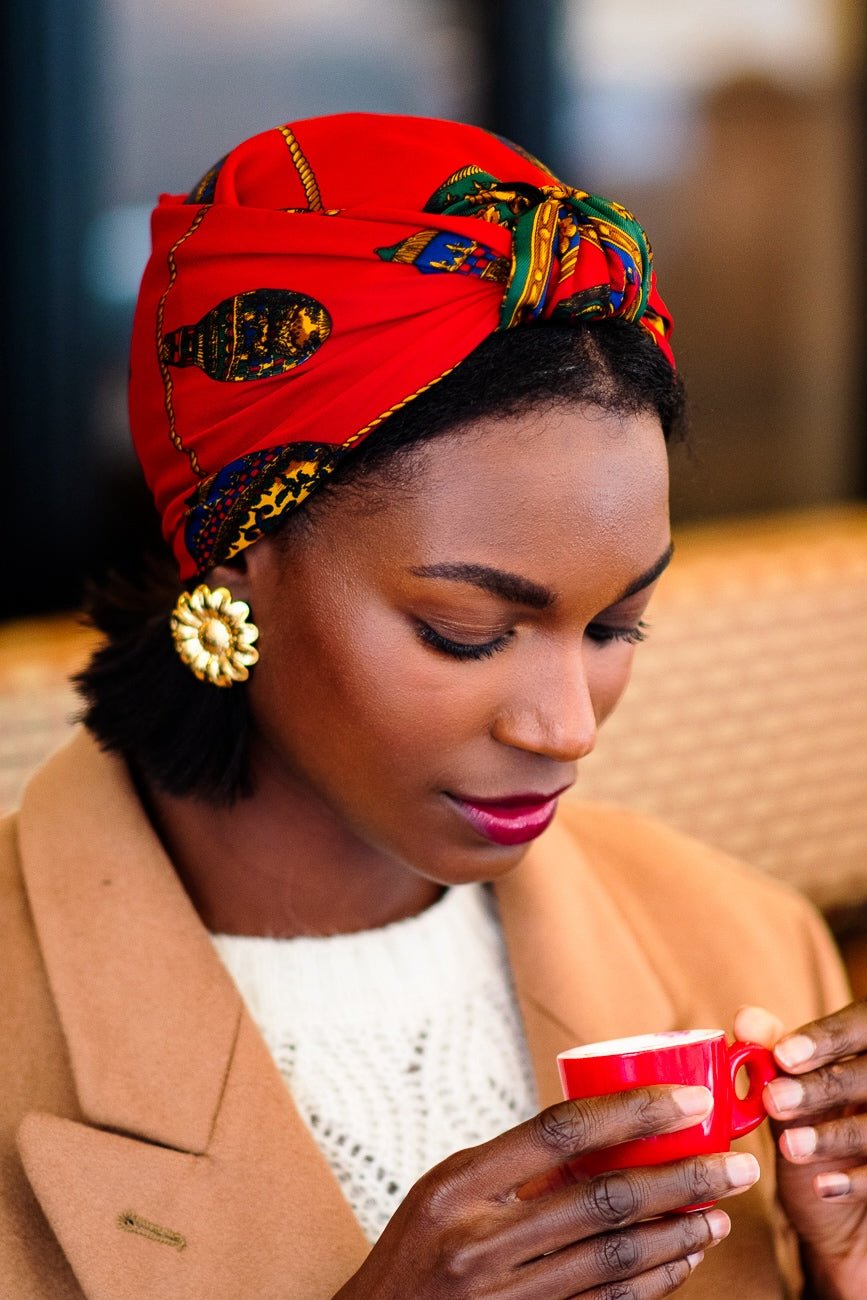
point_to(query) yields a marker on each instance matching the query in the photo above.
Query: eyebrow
(521, 591)
(650, 575)
(508, 586)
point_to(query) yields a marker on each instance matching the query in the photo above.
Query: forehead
(536, 489)
(575, 501)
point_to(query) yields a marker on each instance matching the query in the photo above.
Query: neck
(279, 863)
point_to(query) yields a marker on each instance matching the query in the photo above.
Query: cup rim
(639, 1044)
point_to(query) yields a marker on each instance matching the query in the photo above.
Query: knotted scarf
(324, 274)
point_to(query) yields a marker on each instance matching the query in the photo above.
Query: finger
(833, 1086)
(840, 1139)
(564, 1275)
(572, 1128)
(620, 1257)
(756, 1025)
(842, 1034)
(838, 1185)
(621, 1198)
(662, 1281)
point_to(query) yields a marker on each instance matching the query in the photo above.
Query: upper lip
(512, 800)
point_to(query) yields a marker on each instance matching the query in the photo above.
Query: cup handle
(748, 1112)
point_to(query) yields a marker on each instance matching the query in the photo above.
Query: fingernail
(695, 1259)
(795, 1050)
(786, 1094)
(693, 1101)
(831, 1185)
(799, 1141)
(719, 1223)
(742, 1169)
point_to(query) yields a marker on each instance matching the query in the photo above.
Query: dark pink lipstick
(514, 819)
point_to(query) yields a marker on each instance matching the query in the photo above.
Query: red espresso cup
(687, 1057)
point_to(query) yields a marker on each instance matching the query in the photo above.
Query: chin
(483, 864)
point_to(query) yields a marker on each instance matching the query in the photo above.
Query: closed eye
(461, 650)
(602, 634)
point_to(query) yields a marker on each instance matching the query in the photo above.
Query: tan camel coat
(149, 1149)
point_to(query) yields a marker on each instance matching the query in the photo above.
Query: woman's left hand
(818, 1108)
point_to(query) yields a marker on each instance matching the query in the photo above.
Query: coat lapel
(578, 967)
(149, 1014)
(193, 1171)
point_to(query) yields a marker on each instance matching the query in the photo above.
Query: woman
(460, 370)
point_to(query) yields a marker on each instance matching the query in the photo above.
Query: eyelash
(459, 651)
(597, 633)
(631, 635)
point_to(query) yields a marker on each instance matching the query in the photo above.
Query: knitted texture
(400, 1045)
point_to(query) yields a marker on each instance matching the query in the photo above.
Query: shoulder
(23, 969)
(33, 1064)
(16, 932)
(661, 863)
(706, 911)
(34, 1075)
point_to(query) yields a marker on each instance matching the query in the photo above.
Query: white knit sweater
(400, 1045)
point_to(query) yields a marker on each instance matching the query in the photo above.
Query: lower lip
(507, 825)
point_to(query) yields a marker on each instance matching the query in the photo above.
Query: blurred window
(729, 127)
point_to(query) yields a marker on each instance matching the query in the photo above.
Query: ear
(244, 571)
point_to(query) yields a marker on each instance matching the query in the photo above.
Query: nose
(552, 713)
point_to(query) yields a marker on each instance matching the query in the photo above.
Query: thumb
(756, 1025)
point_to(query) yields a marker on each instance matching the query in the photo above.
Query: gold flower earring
(212, 635)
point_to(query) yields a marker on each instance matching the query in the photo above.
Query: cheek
(357, 691)
(608, 676)
(411, 699)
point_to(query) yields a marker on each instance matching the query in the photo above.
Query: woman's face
(436, 660)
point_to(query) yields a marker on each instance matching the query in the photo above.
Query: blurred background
(733, 128)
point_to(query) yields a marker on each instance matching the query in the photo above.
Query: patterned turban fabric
(324, 274)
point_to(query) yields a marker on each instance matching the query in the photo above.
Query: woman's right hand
(469, 1228)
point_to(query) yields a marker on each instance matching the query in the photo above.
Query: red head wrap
(324, 274)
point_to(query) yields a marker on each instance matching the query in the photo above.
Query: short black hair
(190, 738)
